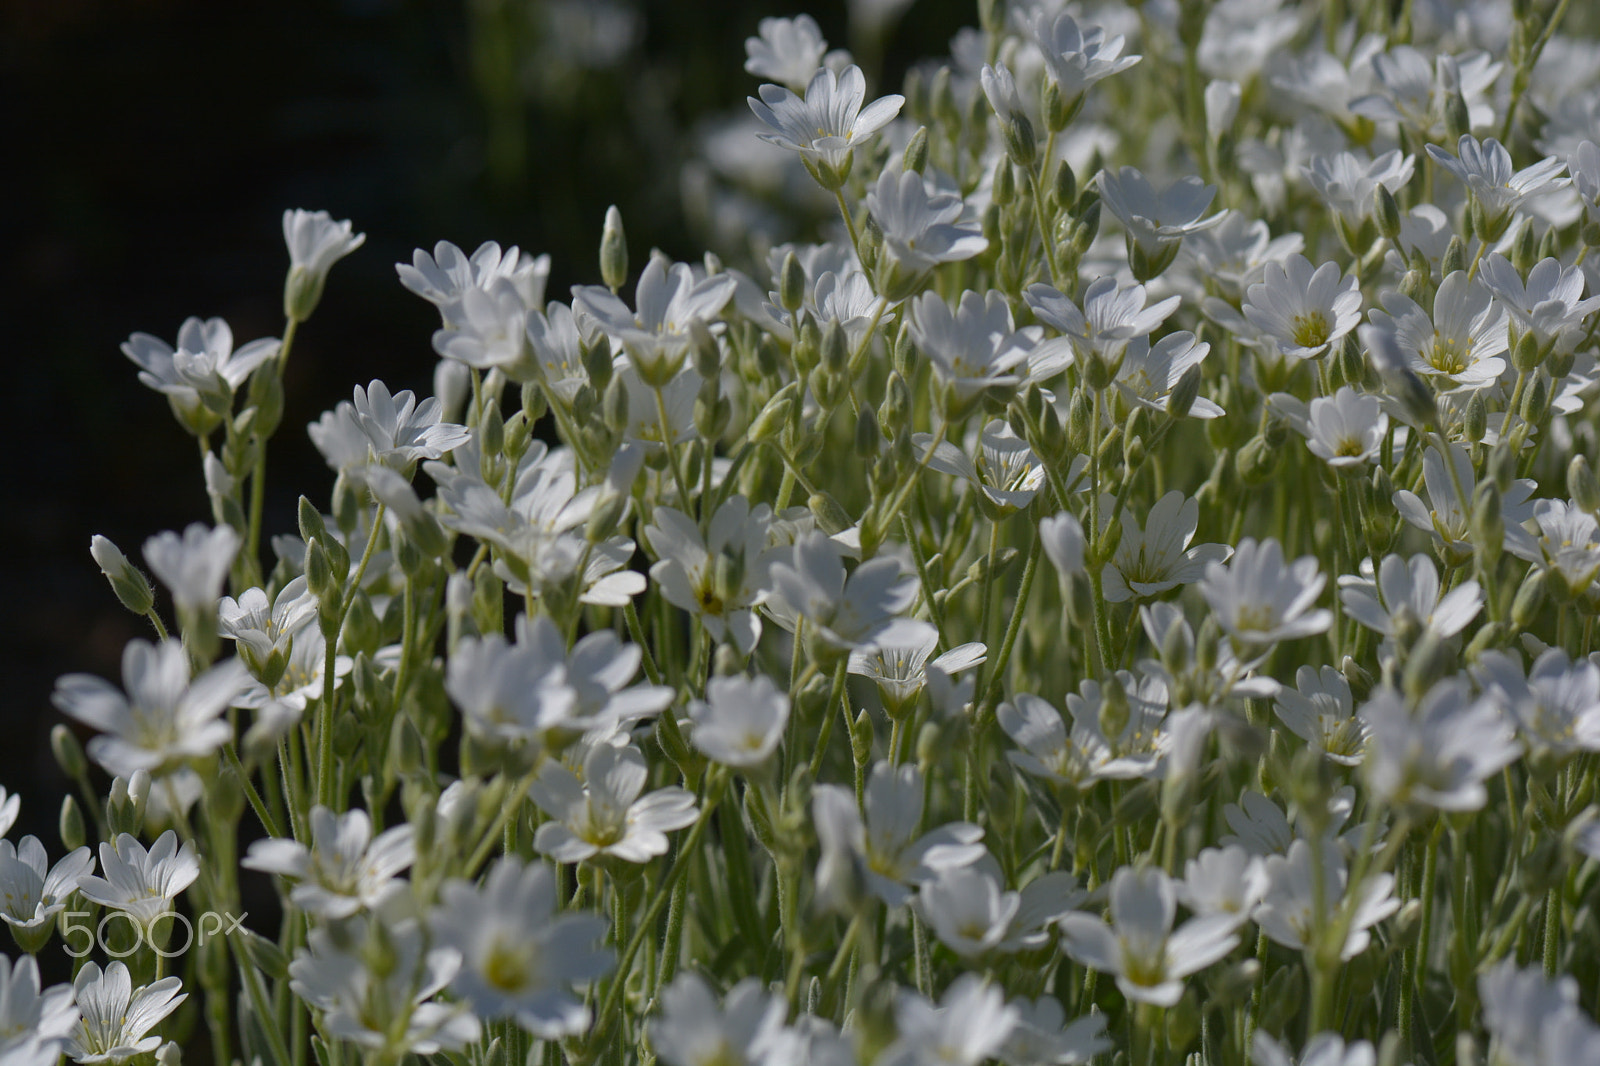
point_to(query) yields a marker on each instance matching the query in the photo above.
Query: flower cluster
(1127, 594)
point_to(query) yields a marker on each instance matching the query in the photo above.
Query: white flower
(1410, 591)
(920, 230)
(445, 276)
(1347, 182)
(32, 897)
(844, 614)
(1150, 372)
(1149, 958)
(558, 350)
(973, 348)
(1041, 1039)
(1484, 167)
(1345, 429)
(1412, 89)
(1064, 543)
(1157, 221)
(1320, 710)
(788, 51)
(200, 376)
(194, 566)
(670, 303)
(1324, 1049)
(694, 1031)
(139, 882)
(970, 1024)
(898, 660)
(519, 956)
(600, 669)
(1304, 310)
(315, 243)
(968, 910)
(1556, 705)
(1519, 1007)
(1259, 599)
(10, 806)
(1076, 58)
(604, 814)
(1584, 166)
(1550, 306)
(300, 680)
(1112, 316)
(1439, 754)
(827, 125)
(1156, 557)
(265, 630)
(115, 1016)
(644, 414)
(1086, 754)
(885, 847)
(1460, 345)
(741, 720)
(1447, 516)
(1233, 252)
(721, 577)
(344, 869)
(164, 717)
(391, 1009)
(1288, 913)
(34, 1025)
(1567, 544)
(399, 430)
(487, 329)
(1003, 469)
(1227, 881)
(505, 693)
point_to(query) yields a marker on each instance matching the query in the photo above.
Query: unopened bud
(830, 515)
(1582, 486)
(1256, 461)
(1455, 257)
(1457, 121)
(1487, 524)
(613, 251)
(1529, 600)
(791, 283)
(1386, 212)
(1066, 185)
(1535, 401)
(73, 832)
(868, 438)
(1525, 250)
(132, 588)
(1114, 712)
(1475, 419)
(916, 158)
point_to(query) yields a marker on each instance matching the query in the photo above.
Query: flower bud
(775, 415)
(1455, 257)
(1256, 461)
(1066, 185)
(1487, 525)
(1582, 486)
(613, 251)
(1005, 183)
(1181, 400)
(916, 156)
(868, 439)
(1490, 635)
(1525, 250)
(835, 348)
(1475, 419)
(132, 588)
(830, 515)
(1457, 121)
(1535, 401)
(791, 283)
(1114, 712)
(1386, 212)
(70, 824)
(266, 397)
(1529, 600)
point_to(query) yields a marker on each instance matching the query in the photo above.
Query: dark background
(151, 147)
